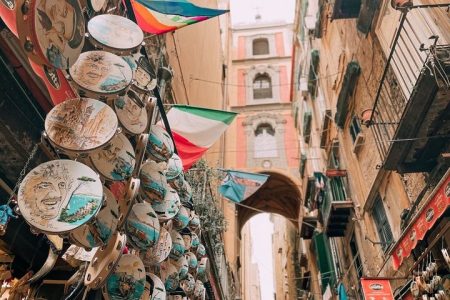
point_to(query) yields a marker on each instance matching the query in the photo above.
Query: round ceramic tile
(128, 279)
(174, 167)
(132, 117)
(59, 196)
(153, 181)
(80, 125)
(115, 161)
(169, 275)
(158, 253)
(178, 246)
(101, 72)
(168, 208)
(115, 32)
(157, 287)
(160, 146)
(142, 226)
(181, 219)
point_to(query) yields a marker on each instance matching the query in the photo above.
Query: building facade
(370, 93)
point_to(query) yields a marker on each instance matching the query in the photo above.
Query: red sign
(424, 220)
(335, 173)
(376, 289)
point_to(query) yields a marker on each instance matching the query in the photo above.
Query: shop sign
(335, 173)
(376, 289)
(425, 219)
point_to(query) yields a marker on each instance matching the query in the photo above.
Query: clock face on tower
(267, 164)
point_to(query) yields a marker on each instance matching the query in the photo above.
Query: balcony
(411, 112)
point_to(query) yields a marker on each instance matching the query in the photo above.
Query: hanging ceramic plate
(142, 226)
(201, 251)
(115, 34)
(187, 238)
(59, 196)
(132, 116)
(160, 251)
(194, 222)
(169, 275)
(51, 31)
(168, 208)
(199, 291)
(185, 193)
(158, 291)
(80, 125)
(125, 193)
(160, 146)
(203, 269)
(143, 81)
(182, 266)
(195, 241)
(154, 183)
(181, 219)
(192, 260)
(128, 279)
(174, 168)
(100, 231)
(115, 161)
(178, 246)
(100, 73)
(188, 284)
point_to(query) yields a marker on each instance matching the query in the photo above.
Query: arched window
(260, 46)
(265, 143)
(262, 86)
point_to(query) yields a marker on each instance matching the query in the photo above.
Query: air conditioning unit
(357, 144)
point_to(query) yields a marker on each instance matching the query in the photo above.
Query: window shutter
(307, 117)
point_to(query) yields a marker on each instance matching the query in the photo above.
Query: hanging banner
(435, 206)
(376, 289)
(238, 186)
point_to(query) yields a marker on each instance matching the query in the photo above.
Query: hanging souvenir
(125, 193)
(105, 259)
(100, 230)
(160, 145)
(100, 74)
(201, 251)
(185, 193)
(115, 34)
(158, 253)
(199, 291)
(157, 291)
(143, 80)
(93, 7)
(169, 275)
(181, 219)
(182, 265)
(168, 208)
(131, 113)
(174, 168)
(192, 260)
(203, 269)
(51, 31)
(194, 221)
(188, 284)
(127, 281)
(115, 161)
(187, 238)
(154, 183)
(195, 241)
(178, 246)
(142, 226)
(80, 125)
(59, 196)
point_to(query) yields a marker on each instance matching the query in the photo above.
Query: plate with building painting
(160, 145)
(132, 114)
(169, 207)
(142, 226)
(59, 196)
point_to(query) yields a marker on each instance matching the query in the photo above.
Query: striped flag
(161, 16)
(196, 129)
(238, 186)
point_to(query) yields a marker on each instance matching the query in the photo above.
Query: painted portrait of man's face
(62, 16)
(133, 110)
(93, 70)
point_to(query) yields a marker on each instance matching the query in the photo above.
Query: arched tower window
(265, 143)
(260, 46)
(262, 86)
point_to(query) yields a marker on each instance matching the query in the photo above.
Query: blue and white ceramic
(160, 252)
(168, 208)
(142, 226)
(169, 275)
(188, 284)
(178, 246)
(181, 219)
(191, 260)
(153, 181)
(174, 168)
(157, 288)
(160, 146)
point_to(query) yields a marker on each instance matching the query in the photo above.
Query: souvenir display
(142, 226)
(51, 31)
(115, 34)
(143, 81)
(181, 219)
(154, 183)
(157, 289)
(80, 125)
(178, 246)
(132, 114)
(100, 74)
(59, 196)
(168, 208)
(125, 193)
(160, 145)
(158, 253)
(199, 291)
(115, 161)
(174, 168)
(169, 275)
(104, 261)
(100, 230)
(128, 279)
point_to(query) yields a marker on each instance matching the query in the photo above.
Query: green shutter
(346, 9)
(307, 117)
(324, 260)
(348, 85)
(318, 29)
(302, 165)
(368, 9)
(313, 72)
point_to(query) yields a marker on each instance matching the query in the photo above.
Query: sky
(244, 11)
(261, 229)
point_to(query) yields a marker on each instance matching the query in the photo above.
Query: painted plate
(188, 284)
(97, 5)
(125, 193)
(59, 196)
(191, 260)
(160, 251)
(101, 72)
(132, 117)
(169, 275)
(201, 251)
(160, 146)
(168, 208)
(199, 291)
(142, 226)
(194, 222)
(195, 241)
(154, 183)
(128, 279)
(116, 161)
(81, 124)
(99, 232)
(115, 32)
(143, 81)
(178, 246)
(203, 269)
(58, 26)
(181, 219)
(157, 287)
(183, 267)
(174, 168)
(185, 193)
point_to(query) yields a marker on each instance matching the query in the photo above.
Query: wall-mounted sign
(376, 289)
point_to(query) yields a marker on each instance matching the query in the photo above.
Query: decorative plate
(174, 168)
(182, 266)
(169, 275)
(132, 117)
(157, 287)
(160, 146)
(181, 219)
(142, 226)
(178, 246)
(188, 284)
(154, 183)
(168, 208)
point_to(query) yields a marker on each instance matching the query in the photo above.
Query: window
(262, 86)
(382, 223)
(307, 118)
(337, 188)
(357, 258)
(260, 47)
(265, 144)
(355, 128)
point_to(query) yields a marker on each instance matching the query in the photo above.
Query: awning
(433, 208)
(348, 85)
(324, 260)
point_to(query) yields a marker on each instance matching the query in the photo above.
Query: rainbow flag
(161, 16)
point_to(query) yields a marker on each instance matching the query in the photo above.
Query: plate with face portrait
(143, 80)
(132, 115)
(52, 31)
(116, 160)
(59, 196)
(80, 125)
(158, 291)
(101, 73)
(115, 34)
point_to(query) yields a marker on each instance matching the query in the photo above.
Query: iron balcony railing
(418, 38)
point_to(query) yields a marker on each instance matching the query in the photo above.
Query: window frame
(354, 128)
(381, 221)
(262, 93)
(266, 46)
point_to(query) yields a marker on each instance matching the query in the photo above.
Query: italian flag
(196, 129)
